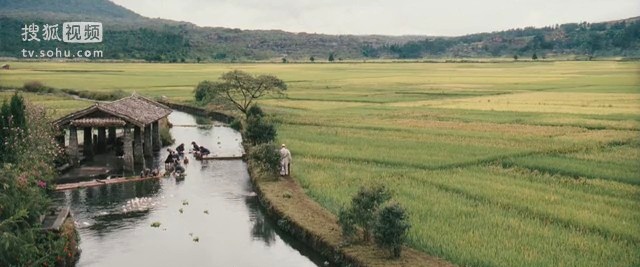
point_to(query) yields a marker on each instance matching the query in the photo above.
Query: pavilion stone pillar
(157, 142)
(148, 146)
(112, 136)
(88, 143)
(138, 153)
(102, 139)
(72, 150)
(128, 149)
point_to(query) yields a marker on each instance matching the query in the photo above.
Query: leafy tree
(515, 57)
(331, 57)
(312, 59)
(538, 41)
(260, 131)
(18, 111)
(13, 127)
(534, 57)
(370, 51)
(220, 56)
(239, 88)
(390, 229)
(284, 60)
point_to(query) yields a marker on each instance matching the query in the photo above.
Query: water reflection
(261, 230)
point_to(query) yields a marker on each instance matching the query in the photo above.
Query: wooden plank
(62, 215)
(102, 182)
(197, 125)
(214, 157)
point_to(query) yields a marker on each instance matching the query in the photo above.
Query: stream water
(212, 218)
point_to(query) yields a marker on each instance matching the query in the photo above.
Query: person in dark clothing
(204, 151)
(169, 158)
(173, 156)
(196, 148)
(180, 149)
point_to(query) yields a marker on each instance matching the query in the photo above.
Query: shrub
(259, 131)
(35, 87)
(200, 94)
(364, 206)
(267, 158)
(390, 229)
(26, 179)
(347, 223)
(236, 125)
(255, 111)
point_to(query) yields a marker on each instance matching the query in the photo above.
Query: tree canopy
(239, 88)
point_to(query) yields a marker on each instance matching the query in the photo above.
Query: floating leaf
(155, 224)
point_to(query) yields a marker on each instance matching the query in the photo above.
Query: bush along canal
(211, 218)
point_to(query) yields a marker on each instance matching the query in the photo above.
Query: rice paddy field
(498, 164)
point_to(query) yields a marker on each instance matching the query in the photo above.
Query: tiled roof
(98, 122)
(134, 109)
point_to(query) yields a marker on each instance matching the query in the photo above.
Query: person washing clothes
(180, 149)
(285, 161)
(195, 148)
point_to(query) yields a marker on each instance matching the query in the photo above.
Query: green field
(499, 164)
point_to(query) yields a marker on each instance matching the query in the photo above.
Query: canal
(211, 218)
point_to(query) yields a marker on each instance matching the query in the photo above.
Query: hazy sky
(391, 17)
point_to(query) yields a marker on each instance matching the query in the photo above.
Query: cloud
(397, 17)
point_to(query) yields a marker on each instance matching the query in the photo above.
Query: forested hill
(128, 35)
(73, 8)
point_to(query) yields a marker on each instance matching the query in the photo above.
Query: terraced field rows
(509, 164)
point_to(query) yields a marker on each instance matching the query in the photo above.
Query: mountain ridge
(128, 35)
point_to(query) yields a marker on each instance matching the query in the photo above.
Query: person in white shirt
(285, 160)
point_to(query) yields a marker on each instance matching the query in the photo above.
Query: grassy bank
(512, 164)
(304, 218)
